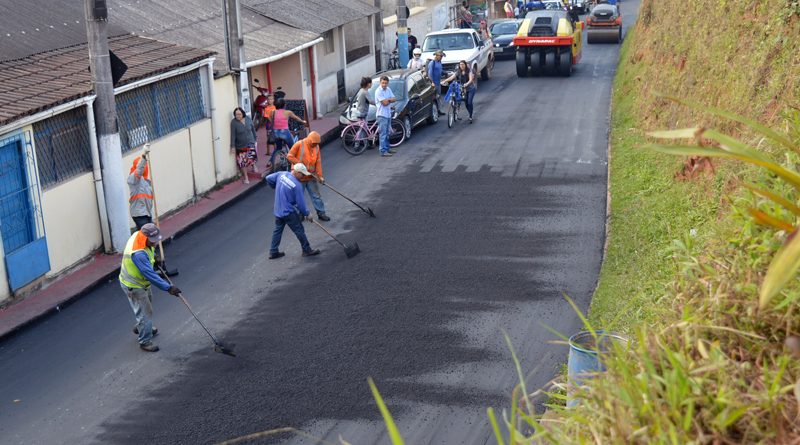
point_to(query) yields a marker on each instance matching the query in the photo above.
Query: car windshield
(448, 42)
(504, 28)
(398, 87)
(554, 6)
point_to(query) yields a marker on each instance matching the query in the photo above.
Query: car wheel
(407, 124)
(486, 72)
(434, 117)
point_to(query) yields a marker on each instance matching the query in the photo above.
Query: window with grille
(156, 110)
(62, 147)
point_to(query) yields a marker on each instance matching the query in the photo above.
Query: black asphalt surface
(480, 229)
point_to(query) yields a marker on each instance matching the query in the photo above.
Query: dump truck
(548, 43)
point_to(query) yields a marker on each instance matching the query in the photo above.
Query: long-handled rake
(367, 210)
(350, 251)
(222, 348)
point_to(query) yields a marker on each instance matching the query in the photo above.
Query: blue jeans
(312, 187)
(470, 98)
(384, 124)
(284, 135)
(141, 301)
(295, 223)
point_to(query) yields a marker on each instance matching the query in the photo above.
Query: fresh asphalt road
(480, 230)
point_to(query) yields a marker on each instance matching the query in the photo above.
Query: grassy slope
(747, 66)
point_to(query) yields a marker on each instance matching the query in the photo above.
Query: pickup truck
(460, 44)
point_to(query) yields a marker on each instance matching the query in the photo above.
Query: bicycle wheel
(451, 114)
(352, 142)
(397, 133)
(280, 164)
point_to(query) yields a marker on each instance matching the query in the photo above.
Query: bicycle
(456, 94)
(358, 134)
(279, 159)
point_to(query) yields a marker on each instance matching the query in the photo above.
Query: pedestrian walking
(416, 62)
(435, 75)
(243, 142)
(136, 275)
(290, 209)
(509, 9)
(384, 98)
(464, 16)
(267, 113)
(306, 151)
(466, 77)
(141, 190)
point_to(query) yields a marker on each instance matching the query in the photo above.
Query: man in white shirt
(416, 62)
(384, 98)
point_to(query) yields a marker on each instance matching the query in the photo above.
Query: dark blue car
(503, 32)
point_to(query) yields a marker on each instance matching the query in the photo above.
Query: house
(346, 53)
(52, 212)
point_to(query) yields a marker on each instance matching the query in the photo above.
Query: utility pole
(234, 47)
(105, 111)
(402, 32)
(379, 37)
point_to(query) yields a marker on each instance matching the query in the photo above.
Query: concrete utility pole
(402, 32)
(105, 111)
(379, 38)
(234, 46)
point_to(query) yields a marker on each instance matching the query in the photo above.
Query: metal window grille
(62, 147)
(156, 110)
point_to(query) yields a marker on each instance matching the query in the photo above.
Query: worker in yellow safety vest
(136, 274)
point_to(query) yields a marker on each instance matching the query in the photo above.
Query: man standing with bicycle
(384, 98)
(435, 75)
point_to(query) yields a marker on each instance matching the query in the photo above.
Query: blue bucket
(584, 359)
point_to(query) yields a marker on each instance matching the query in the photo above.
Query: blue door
(24, 243)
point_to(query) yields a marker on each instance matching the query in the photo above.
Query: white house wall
(202, 150)
(225, 102)
(72, 222)
(364, 67)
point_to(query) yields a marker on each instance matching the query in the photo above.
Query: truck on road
(460, 44)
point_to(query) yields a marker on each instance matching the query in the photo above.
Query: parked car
(503, 31)
(460, 44)
(604, 24)
(415, 99)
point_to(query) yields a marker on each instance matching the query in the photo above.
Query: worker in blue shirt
(290, 209)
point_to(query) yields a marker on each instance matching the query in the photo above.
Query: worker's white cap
(301, 168)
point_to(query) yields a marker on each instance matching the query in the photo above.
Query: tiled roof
(200, 23)
(34, 26)
(37, 82)
(315, 15)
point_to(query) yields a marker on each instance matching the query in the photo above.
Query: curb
(104, 278)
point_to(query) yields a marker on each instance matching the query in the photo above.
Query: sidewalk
(102, 267)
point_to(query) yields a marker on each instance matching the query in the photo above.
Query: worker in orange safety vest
(141, 188)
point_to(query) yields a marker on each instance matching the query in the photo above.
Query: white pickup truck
(460, 44)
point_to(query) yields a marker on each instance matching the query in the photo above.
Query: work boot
(276, 255)
(311, 252)
(149, 347)
(323, 217)
(136, 330)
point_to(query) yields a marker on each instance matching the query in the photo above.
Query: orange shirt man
(306, 151)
